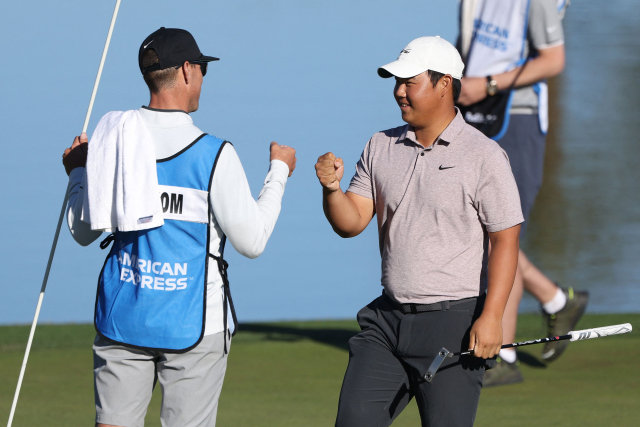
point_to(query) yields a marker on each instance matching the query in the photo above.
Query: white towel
(122, 179)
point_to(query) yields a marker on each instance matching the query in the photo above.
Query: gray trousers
(391, 354)
(191, 383)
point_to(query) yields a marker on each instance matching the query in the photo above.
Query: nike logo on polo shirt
(445, 167)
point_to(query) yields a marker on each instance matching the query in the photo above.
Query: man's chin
(406, 117)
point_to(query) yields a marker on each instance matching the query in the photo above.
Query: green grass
(289, 374)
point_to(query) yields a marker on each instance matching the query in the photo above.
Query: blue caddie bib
(152, 289)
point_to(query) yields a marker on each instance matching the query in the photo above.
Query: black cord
(227, 300)
(107, 241)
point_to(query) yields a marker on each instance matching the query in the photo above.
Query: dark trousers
(524, 143)
(391, 354)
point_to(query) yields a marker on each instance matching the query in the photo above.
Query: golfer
(442, 191)
(163, 294)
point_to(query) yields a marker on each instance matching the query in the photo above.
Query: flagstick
(62, 212)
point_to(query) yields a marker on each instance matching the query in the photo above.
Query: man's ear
(186, 72)
(446, 85)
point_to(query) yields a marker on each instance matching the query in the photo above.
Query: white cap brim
(400, 68)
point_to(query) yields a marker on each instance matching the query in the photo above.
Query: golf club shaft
(580, 335)
(60, 219)
(522, 343)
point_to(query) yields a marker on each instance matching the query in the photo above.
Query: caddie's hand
(76, 155)
(330, 170)
(474, 89)
(285, 154)
(486, 337)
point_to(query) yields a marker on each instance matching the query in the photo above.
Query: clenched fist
(283, 153)
(330, 170)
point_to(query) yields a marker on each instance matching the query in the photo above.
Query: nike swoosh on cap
(145, 46)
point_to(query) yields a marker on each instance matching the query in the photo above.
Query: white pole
(104, 56)
(60, 219)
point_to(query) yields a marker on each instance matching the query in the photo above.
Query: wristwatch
(492, 86)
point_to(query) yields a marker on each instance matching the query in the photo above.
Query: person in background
(497, 39)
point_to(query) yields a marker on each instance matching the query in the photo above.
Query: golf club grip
(605, 331)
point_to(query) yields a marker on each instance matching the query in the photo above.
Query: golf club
(584, 334)
(62, 212)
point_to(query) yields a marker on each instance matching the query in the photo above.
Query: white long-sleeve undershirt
(247, 223)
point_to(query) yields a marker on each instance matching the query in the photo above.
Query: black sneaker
(502, 373)
(563, 321)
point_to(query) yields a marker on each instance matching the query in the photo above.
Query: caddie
(171, 195)
(510, 49)
(441, 191)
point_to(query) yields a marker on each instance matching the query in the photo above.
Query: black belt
(423, 308)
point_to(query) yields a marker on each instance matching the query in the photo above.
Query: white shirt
(246, 223)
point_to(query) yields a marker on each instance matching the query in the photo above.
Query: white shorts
(191, 382)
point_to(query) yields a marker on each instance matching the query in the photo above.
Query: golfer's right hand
(330, 170)
(284, 153)
(76, 155)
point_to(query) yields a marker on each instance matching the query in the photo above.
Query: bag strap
(513, 84)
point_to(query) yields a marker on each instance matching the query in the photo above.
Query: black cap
(173, 46)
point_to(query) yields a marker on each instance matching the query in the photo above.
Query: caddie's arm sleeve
(80, 230)
(247, 223)
(545, 26)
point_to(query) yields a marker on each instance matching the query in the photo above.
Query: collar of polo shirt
(446, 137)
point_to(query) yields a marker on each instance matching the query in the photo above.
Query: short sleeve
(545, 26)
(497, 199)
(361, 183)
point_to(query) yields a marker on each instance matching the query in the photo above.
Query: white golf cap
(422, 54)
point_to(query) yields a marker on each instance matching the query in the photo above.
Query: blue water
(585, 227)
